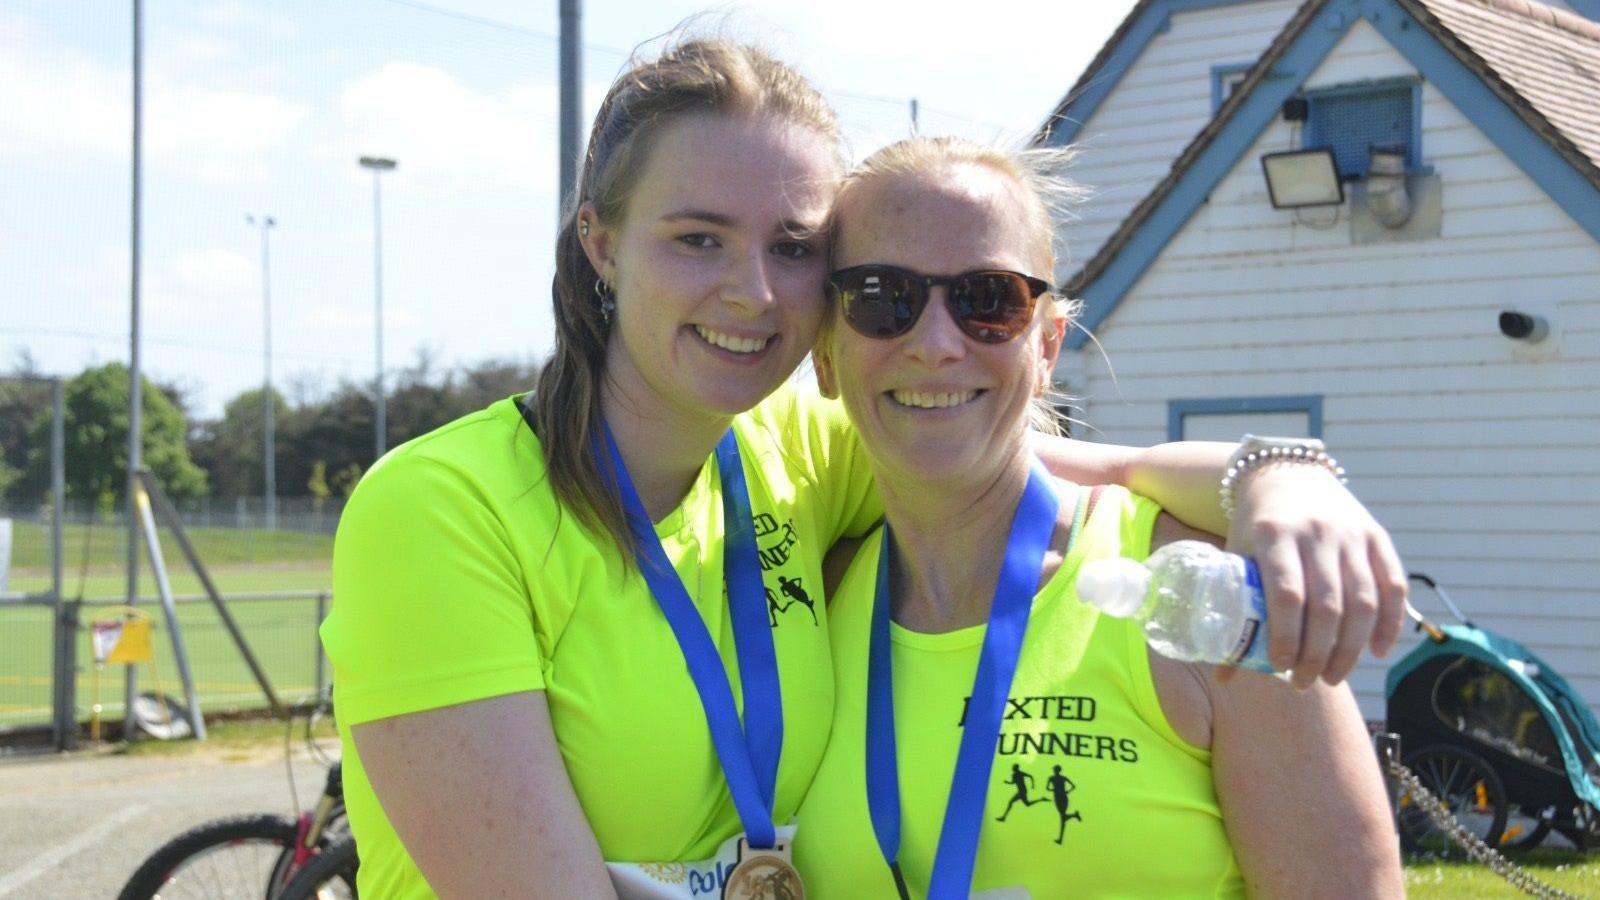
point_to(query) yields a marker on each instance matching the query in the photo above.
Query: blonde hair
(1048, 196)
(701, 75)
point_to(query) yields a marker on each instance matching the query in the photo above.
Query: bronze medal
(763, 875)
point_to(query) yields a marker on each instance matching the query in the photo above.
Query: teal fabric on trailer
(1547, 690)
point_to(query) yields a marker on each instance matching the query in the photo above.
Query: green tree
(8, 477)
(24, 401)
(97, 438)
(230, 448)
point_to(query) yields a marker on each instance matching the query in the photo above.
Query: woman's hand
(1333, 580)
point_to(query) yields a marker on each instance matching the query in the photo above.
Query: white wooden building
(1221, 314)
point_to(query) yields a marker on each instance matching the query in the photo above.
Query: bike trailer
(1498, 734)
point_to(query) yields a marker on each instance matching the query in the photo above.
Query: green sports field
(280, 631)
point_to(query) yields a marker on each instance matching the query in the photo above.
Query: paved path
(76, 826)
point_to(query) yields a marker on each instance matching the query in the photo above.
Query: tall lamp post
(378, 165)
(269, 457)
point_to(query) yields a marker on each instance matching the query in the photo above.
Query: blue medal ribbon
(953, 861)
(749, 753)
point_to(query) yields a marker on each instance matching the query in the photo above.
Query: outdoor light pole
(135, 375)
(571, 100)
(269, 458)
(378, 165)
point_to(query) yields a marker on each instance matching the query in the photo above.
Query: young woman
(1009, 739)
(553, 642)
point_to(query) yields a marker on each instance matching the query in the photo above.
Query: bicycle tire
(254, 845)
(330, 875)
(1470, 789)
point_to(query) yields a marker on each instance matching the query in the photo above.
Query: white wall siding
(1162, 102)
(1481, 454)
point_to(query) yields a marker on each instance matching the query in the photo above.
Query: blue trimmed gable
(1531, 152)
(1070, 117)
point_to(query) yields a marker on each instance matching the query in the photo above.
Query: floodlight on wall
(1387, 197)
(1299, 178)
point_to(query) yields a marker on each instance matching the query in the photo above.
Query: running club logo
(1059, 788)
(775, 542)
(1049, 732)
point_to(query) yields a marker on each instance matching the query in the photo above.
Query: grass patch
(1571, 871)
(107, 545)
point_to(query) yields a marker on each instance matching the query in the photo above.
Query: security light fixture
(1297, 178)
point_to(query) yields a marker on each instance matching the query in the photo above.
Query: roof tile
(1548, 57)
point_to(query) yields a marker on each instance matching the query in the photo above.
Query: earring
(607, 298)
(583, 228)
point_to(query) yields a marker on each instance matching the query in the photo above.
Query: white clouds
(61, 105)
(213, 271)
(200, 123)
(100, 278)
(59, 101)
(449, 136)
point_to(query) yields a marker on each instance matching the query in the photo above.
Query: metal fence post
(64, 653)
(64, 677)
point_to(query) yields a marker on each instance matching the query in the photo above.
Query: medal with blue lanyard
(953, 861)
(749, 754)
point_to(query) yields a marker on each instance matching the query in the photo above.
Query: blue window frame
(1224, 79)
(1310, 404)
(1349, 119)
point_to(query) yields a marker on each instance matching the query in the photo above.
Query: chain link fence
(65, 567)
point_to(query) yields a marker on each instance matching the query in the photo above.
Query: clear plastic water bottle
(1196, 603)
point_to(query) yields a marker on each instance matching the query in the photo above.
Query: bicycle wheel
(330, 875)
(222, 860)
(1470, 790)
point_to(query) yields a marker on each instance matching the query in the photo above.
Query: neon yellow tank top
(1092, 793)
(459, 576)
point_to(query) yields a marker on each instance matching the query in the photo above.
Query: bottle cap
(1116, 586)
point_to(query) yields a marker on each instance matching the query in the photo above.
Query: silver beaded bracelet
(1255, 451)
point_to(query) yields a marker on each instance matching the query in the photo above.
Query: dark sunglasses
(989, 305)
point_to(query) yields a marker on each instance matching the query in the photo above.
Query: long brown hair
(694, 76)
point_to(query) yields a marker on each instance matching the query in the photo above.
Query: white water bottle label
(1250, 650)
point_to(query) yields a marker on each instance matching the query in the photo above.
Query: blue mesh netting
(1349, 123)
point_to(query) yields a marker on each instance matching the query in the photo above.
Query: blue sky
(264, 107)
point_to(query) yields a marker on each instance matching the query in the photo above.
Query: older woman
(992, 733)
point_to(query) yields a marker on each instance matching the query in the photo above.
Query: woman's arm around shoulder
(480, 796)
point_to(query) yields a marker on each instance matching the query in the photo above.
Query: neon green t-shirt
(1092, 793)
(459, 577)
